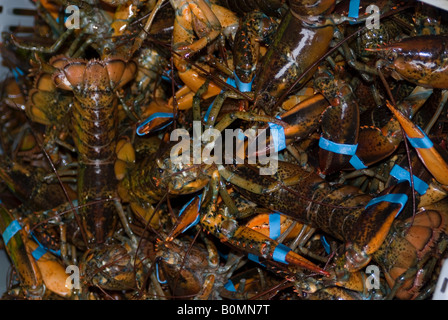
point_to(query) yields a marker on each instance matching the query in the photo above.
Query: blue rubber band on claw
(278, 136)
(353, 10)
(399, 198)
(421, 143)
(38, 252)
(157, 275)
(403, 175)
(57, 253)
(254, 258)
(326, 245)
(274, 226)
(229, 286)
(357, 163)
(243, 86)
(280, 253)
(152, 117)
(196, 221)
(345, 149)
(16, 73)
(11, 230)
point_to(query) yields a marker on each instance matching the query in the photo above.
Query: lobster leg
(52, 49)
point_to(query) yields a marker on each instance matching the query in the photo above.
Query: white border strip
(442, 4)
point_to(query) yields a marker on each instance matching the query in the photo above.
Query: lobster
(136, 175)
(422, 237)
(274, 80)
(94, 125)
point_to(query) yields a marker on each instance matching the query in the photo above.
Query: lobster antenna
(173, 89)
(58, 214)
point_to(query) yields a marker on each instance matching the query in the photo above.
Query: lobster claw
(300, 121)
(338, 144)
(375, 144)
(241, 237)
(257, 244)
(52, 270)
(433, 157)
(14, 239)
(188, 217)
(418, 60)
(252, 242)
(379, 215)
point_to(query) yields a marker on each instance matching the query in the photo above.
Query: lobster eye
(160, 170)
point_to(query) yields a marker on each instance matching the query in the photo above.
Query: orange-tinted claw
(274, 224)
(418, 60)
(193, 81)
(184, 101)
(301, 120)
(155, 122)
(376, 144)
(433, 157)
(189, 216)
(52, 270)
